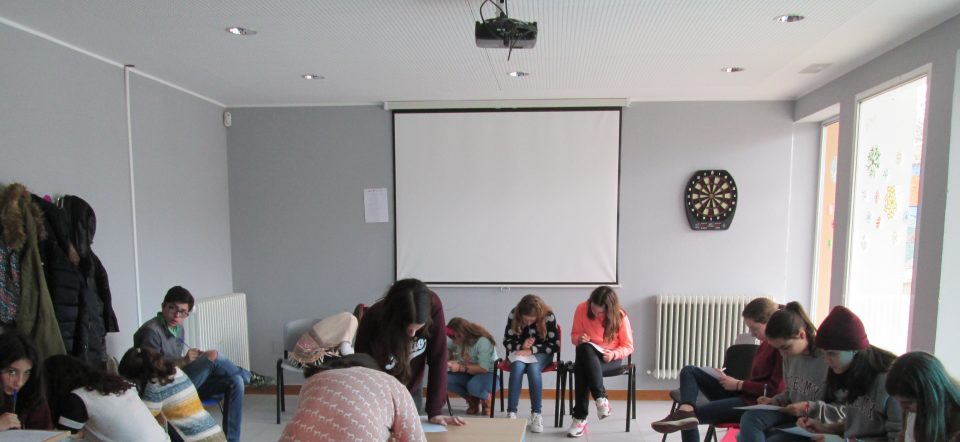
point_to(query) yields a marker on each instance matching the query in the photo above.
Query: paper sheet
(760, 407)
(528, 359)
(375, 208)
(796, 431)
(430, 427)
(32, 435)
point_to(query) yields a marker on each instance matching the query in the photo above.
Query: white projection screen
(518, 197)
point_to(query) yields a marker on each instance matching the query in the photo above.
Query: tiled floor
(259, 421)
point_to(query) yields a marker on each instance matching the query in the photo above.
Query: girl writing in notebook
(804, 373)
(101, 406)
(724, 393)
(472, 355)
(24, 405)
(928, 396)
(856, 405)
(531, 340)
(169, 395)
(601, 331)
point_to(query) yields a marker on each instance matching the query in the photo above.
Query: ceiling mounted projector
(506, 33)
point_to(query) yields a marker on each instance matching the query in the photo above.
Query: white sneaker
(536, 423)
(603, 408)
(577, 427)
(511, 415)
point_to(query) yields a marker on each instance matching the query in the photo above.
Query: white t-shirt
(108, 418)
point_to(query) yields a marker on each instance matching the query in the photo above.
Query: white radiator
(695, 330)
(220, 323)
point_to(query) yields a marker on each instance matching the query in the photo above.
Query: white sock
(346, 348)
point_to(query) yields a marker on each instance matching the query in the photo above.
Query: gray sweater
(804, 379)
(874, 416)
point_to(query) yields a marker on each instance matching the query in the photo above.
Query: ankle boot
(473, 405)
(485, 407)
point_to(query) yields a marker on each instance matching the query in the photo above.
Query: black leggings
(588, 369)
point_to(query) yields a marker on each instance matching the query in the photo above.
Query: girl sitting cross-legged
(724, 392)
(602, 334)
(531, 333)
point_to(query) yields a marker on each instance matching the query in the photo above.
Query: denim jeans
(218, 377)
(588, 369)
(476, 385)
(517, 370)
(693, 380)
(757, 426)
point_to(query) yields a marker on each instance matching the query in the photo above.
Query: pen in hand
(764, 390)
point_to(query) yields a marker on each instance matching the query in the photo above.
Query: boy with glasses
(213, 374)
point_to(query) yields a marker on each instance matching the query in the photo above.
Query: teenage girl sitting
(24, 405)
(531, 332)
(725, 393)
(472, 354)
(602, 334)
(928, 396)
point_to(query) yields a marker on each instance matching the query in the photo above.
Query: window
(829, 147)
(883, 217)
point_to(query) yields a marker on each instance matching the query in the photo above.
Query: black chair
(503, 365)
(629, 370)
(738, 360)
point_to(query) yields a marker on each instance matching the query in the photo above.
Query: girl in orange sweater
(602, 334)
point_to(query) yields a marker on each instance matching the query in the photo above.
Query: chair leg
(633, 389)
(279, 389)
(561, 397)
(449, 408)
(556, 401)
(493, 390)
(501, 395)
(711, 434)
(225, 411)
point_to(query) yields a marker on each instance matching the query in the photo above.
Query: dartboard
(710, 200)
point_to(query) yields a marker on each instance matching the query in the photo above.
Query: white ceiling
(372, 51)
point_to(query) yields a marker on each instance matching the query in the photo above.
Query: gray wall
(301, 248)
(938, 48)
(950, 280)
(63, 130)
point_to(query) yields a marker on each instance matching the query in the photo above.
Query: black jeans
(720, 408)
(588, 369)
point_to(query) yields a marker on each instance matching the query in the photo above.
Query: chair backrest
(559, 343)
(738, 360)
(292, 331)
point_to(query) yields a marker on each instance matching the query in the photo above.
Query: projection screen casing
(519, 197)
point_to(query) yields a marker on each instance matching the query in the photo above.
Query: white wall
(301, 248)
(63, 130)
(938, 48)
(950, 281)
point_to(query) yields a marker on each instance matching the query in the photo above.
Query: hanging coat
(61, 269)
(34, 313)
(95, 317)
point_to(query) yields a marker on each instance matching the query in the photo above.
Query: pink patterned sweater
(354, 404)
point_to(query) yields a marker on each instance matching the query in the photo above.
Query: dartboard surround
(710, 200)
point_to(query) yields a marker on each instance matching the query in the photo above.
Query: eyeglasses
(178, 313)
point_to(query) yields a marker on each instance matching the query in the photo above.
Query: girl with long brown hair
(602, 334)
(725, 393)
(472, 355)
(531, 332)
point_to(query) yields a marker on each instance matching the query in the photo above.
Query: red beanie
(842, 330)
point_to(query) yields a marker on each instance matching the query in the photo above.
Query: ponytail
(787, 323)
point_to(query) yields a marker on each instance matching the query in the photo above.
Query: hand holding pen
(10, 420)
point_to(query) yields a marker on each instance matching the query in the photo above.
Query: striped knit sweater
(354, 404)
(179, 403)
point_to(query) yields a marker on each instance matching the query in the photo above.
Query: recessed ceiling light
(518, 74)
(789, 18)
(732, 69)
(312, 76)
(236, 30)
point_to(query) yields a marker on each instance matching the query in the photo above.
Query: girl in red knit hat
(856, 404)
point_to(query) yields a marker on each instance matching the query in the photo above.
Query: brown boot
(473, 405)
(485, 407)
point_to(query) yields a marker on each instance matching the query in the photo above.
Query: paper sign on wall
(375, 209)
